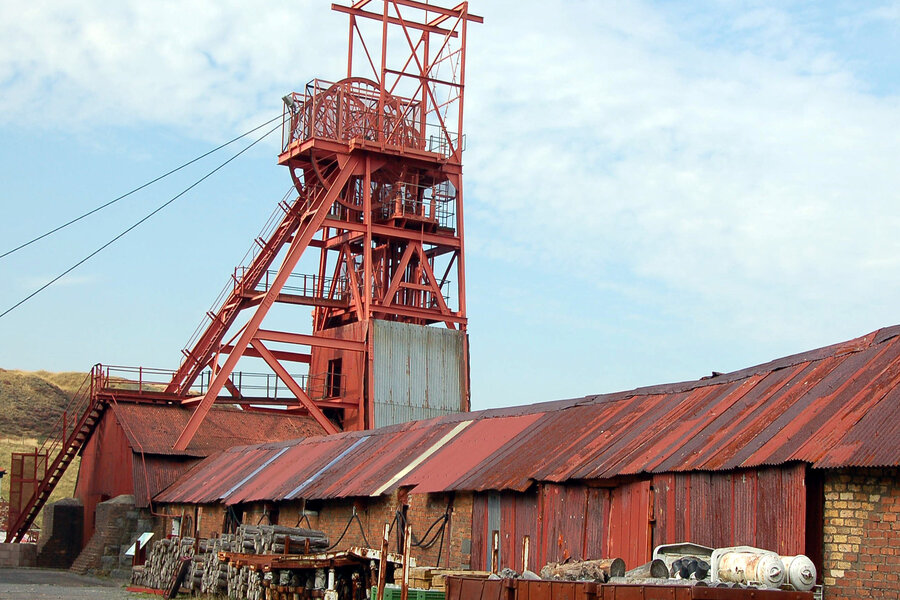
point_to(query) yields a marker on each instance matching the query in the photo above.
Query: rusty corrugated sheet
(153, 428)
(831, 407)
(154, 473)
(764, 507)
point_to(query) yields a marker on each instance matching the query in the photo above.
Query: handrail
(352, 109)
(58, 445)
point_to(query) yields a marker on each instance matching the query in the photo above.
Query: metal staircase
(74, 428)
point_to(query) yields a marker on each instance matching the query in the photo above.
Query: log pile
(163, 560)
(244, 583)
(208, 575)
(214, 579)
(585, 570)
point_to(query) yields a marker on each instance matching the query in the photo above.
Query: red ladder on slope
(74, 427)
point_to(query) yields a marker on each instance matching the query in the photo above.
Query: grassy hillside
(31, 402)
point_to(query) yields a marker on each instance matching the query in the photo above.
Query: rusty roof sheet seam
(254, 473)
(424, 456)
(293, 493)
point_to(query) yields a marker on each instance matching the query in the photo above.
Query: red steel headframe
(376, 159)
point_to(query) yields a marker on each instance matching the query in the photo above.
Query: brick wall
(862, 534)
(332, 517)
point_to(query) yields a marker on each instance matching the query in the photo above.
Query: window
(333, 378)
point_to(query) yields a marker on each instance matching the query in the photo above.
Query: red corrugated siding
(764, 508)
(153, 428)
(629, 523)
(105, 470)
(153, 474)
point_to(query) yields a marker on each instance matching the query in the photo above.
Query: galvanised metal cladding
(419, 372)
(822, 408)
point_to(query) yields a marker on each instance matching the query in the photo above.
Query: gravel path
(52, 584)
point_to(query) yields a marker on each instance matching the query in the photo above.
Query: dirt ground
(51, 584)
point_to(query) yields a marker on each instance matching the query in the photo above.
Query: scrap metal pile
(691, 564)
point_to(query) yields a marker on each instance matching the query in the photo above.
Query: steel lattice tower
(376, 160)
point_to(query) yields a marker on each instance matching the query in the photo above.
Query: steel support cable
(135, 190)
(135, 225)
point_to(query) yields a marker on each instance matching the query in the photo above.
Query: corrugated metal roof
(831, 407)
(154, 473)
(153, 428)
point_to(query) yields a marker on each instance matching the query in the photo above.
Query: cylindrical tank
(745, 567)
(800, 572)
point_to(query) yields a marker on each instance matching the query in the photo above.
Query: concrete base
(18, 555)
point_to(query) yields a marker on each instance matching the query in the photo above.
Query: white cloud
(762, 183)
(198, 65)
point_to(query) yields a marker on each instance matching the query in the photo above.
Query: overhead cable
(137, 189)
(119, 236)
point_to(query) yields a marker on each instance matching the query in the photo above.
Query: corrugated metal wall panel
(701, 523)
(479, 531)
(526, 524)
(552, 507)
(573, 521)
(417, 372)
(596, 523)
(629, 523)
(760, 507)
(721, 509)
(769, 500)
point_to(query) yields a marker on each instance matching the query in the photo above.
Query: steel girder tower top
(376, 160)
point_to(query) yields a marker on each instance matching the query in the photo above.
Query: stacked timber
(214, 580)
(163, 561)
(434, 578)
(208, 575)
(277, 539)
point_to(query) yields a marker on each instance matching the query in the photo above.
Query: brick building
(799, 455)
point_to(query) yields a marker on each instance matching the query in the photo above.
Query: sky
(653, 190)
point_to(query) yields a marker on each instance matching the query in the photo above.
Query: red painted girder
(393, 20)
(455, 10)
(309, 340)
(295, 388)
(448, 240)
(200, 355)
(299, 245)
(416, 313)
(448, 12)
(298, 357)
(254, 299)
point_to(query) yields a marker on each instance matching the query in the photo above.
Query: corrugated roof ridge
(857, 344)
